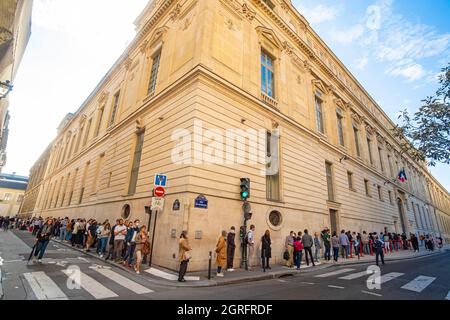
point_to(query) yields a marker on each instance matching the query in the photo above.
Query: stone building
(12, 190)
(15, 30)
(200, 69)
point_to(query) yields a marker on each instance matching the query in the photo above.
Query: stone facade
(196, 65)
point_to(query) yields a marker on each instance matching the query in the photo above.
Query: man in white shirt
(119, 236)
(251, 245)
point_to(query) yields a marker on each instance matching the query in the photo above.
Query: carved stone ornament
(288, 48)
(103, 97)
(247, 12)
(128, 63)
(370, 130)
(175, 12)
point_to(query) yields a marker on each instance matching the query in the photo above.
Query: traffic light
(247, 210)
(242, 232)
(245, 188)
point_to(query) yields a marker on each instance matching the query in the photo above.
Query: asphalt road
(425, 278)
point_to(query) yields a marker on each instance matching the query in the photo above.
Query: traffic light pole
(244, 247)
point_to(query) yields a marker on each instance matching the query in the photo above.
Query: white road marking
(334, 273)
(336, 287)
(43, 287)
(355, 275)
(448, 296)
(419, 283)
(390, 276)
(371, 293)
(168, 276)
(310, 283)
(124, 282)
(95, 288)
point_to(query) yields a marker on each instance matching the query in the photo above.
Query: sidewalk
(200, 279)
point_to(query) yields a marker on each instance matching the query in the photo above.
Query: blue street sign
(201, 202)
(160, 180)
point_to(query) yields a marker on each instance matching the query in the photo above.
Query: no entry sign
(160, 192)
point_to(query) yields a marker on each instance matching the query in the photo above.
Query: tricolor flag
(402, 176)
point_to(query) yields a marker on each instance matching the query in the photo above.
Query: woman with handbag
(141, 241)
(184, 255)
(266, 250)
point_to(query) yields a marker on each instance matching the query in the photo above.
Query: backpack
(298, 246)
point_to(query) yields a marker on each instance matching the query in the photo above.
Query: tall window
(350, 180)
(380, 193)
(330, 183)
(101, 111)
(356, 135)
(86, 135)
(114, 109)
(340, 126)
(72, 187)
(83, 182)
(391, 171)
(267, 75)
(367, 187)
(136, 162)
(98, 171)
(319, 113)
(380, 154)
(369, 148)
(80, 137)
(154, 73)
(391, 201)
(272, 169)
(64, 190)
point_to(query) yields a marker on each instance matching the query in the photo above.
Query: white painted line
(336, 287)
(371, 293)
(419, 283)
(1, 286)
(355, 275)
(448, 296)
(310, 283)
(124, 282)
(390, 276)
(334, 273)
(168, 276)
(43, 287)
(95, 288)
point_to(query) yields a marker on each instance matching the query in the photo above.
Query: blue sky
(74, 43)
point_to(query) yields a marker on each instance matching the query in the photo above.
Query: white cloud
(362, 63)
(319, 13)
(411, 72)
(347, 36)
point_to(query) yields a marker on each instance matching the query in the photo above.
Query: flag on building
(402, 176)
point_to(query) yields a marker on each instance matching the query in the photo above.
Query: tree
(425, 136)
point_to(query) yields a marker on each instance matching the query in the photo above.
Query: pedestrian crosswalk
(98, 282)
(418, 284)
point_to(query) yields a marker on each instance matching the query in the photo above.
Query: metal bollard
(209, 265)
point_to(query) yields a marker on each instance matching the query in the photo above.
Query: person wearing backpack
(289, 247)
(42, 239)
(335, 243)
(251, 245)
(307, 241)
(326, 242)
(298, 251)
(378, 247)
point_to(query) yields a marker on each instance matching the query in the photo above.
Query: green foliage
(425, 136)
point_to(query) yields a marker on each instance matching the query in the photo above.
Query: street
(414, 279)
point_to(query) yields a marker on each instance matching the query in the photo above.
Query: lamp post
(5, 88)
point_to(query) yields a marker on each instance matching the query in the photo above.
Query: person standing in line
(111, 253)
(335, 244)
(231, 247)
(415, 242)
(42, 240)
(326, 242)
(221, 252)
(298, 251)
(289, 247)
(387, 243)
(251, 245)
(131, 243)
(184, 255)
(140, 241)
(307, 241)
(365, 243)
(105, 232)
(92, 235)
(378, 248)
(266, 250)
(345, 243)
(120, 232)
(63, 229)
(317, 246)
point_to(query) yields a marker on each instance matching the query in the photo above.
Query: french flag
(402, 176)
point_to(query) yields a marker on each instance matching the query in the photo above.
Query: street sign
(201, 202)
(160, 180)
(160, 192)
(157, 204)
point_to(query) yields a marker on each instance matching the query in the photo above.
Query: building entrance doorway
(334, 220)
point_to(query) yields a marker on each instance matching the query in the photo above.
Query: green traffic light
(244, 194)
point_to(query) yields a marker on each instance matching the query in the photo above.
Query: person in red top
(298, 250)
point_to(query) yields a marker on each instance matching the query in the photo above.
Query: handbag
(187, 255)
(146, 248)
(286, 255)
